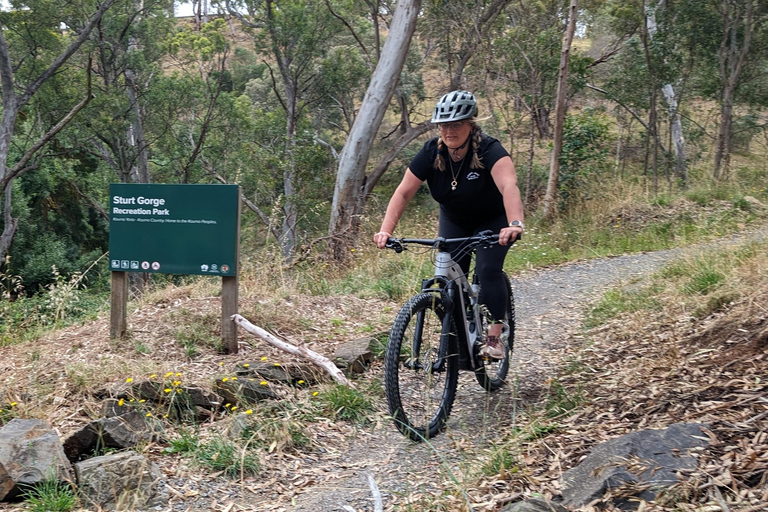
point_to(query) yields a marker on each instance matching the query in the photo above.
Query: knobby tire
(420, 400)
(491, 375)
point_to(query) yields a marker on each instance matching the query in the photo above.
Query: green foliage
(585, 147)
(185, 443)
(345, 403)
(500, 462)
(220, 454)
(50, 495)
(561, 400)
(617, 301)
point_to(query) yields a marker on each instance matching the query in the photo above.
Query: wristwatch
(517, 224)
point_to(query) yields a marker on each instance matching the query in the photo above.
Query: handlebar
(484, 238)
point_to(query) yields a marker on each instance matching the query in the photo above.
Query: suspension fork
(445, 331)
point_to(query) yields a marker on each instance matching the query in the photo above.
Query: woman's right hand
(380, 239)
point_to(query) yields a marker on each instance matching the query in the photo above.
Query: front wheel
(421, 367)
(492, 373)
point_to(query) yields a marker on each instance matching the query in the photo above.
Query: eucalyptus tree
(37, 40)
(742, 20)
(295, 37)
(452, 32)
(131, 107)
(349, 192)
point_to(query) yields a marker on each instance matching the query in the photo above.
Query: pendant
(453, 185)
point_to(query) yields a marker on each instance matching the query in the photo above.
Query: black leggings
(488, 264)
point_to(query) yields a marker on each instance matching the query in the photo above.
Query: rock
(119, 432)
(287, 373)
(201, 397)
(30, 452)
(354, 355)
(647, 457)
(534, 505)
(754, 203)
(121, 481)
(237, 426)
(243, 390)
(112, 407)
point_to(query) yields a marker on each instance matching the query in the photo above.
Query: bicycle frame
(451, 283)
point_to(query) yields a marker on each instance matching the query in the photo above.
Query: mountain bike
(439, 332)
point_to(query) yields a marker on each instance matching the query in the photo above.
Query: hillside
(645, 367)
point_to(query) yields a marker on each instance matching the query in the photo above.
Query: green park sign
(174, 229)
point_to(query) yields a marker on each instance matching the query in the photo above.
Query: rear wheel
(421, 382)
(492, 373)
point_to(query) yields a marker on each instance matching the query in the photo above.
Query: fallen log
(300, 350)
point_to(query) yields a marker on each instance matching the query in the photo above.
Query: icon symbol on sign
(155, 265)
(145, 265)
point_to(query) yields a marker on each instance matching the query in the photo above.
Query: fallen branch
(301, 350)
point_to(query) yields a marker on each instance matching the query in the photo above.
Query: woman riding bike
(473, 179)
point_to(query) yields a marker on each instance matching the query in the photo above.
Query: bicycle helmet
(455, 106)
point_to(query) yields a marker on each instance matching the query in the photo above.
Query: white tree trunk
(350, 178)
(676, 126)
(550, 199)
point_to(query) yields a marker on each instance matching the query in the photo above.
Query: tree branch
(301, 350)
(61, 59)
(19, 168)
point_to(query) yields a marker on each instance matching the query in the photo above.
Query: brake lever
(394, 243)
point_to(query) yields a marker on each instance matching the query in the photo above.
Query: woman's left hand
(509, 235)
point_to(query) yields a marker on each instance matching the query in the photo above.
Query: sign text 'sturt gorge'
(173, 229)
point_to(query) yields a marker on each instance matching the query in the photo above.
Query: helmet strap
(459, 148)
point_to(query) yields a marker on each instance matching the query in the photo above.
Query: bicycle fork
(445, 333)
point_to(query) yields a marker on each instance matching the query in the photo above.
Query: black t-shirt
(476, 199)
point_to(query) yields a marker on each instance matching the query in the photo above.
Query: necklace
(455, 175)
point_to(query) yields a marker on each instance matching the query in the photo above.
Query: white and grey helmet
(455, 106)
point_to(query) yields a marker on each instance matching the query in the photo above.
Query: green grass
(223, 455)
(186, 442)
(500, 461)
(617, 301)
(345, 403)
(562, 400)
(50, 495)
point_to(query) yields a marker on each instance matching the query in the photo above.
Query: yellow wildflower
(246, 365)
(263, 383)
(167, 390)
(301, 382)
(120, 402)
(234, 407)
(315, 393)
(249, 411)
(129, 380)
(225, 379)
